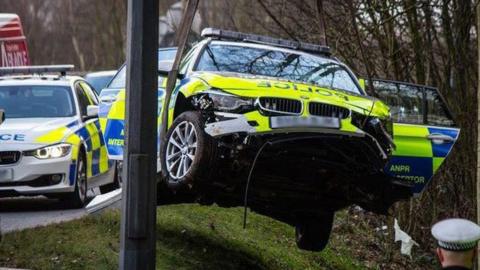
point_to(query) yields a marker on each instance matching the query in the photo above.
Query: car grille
(322, 109)
(9, 157)
(281, 105)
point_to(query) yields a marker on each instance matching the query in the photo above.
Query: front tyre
(78, 197)
(186, 151)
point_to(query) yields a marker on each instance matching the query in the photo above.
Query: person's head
(457, 242)
(456, 258)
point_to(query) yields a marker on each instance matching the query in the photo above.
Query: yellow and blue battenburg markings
(112, 116)
(416, 158)
(90, 135)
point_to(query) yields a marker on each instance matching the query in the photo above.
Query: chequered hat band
(457, 246)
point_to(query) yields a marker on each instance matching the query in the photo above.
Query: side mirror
(164, 67)
(2, 116)
(92, 111)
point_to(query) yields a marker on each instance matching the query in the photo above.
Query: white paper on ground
(407, 241)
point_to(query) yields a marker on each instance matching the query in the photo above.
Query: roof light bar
(231, 35)
(36, 69)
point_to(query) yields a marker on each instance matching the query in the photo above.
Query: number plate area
(304, 122)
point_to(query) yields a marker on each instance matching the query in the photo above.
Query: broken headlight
(363, 121)
(221, 101)
(388, 125)
(380, 129)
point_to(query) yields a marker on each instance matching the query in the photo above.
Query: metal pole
(138, 240)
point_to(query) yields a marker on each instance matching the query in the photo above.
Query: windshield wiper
(210, 53)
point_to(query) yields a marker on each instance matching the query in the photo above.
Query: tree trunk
(321, 22)
(418, 44)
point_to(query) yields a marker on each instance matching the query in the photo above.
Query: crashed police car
(50, 142)
(286, 129)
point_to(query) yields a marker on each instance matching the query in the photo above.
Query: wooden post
(181, 41)
(138, 241)
(321, 25)
(478, 126)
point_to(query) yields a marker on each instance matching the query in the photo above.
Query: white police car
(51, 142)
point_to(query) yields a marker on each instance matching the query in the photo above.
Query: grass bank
(189, 237)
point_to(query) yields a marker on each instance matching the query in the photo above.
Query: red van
(13, 45)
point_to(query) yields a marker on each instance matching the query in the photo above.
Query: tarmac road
(28, 212)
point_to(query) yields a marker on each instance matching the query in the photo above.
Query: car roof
(38, 80)
(101, 73)
(270, 47)
(221, 34)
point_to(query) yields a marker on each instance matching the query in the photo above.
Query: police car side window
(437, 111)
(414, 104)
(89, 92)
(405, 101)
(83, 100)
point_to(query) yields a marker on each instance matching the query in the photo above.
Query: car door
(424, 131)
(97, 157)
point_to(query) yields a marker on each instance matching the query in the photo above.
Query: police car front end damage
(262, 106)
(305, 126)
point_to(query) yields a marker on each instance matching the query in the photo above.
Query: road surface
(28, 212)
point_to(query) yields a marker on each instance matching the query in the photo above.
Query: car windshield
(279, 64)
(26, 101)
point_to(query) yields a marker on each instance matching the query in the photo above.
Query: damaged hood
(246, 85)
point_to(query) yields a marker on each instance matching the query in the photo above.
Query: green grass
(188, 237)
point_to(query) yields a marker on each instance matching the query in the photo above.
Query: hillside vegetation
(201, 237)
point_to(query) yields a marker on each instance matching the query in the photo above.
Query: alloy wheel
(181, 149)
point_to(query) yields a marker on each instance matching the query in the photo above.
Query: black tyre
(78, 197)
(187, 152)
(312, 233)
(117, 181)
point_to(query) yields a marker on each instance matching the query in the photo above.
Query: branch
(360, 45)
(277, 21)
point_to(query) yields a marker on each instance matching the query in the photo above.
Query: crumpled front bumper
(256, 124)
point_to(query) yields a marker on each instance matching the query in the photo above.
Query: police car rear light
(296, 45)
(62, 69)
